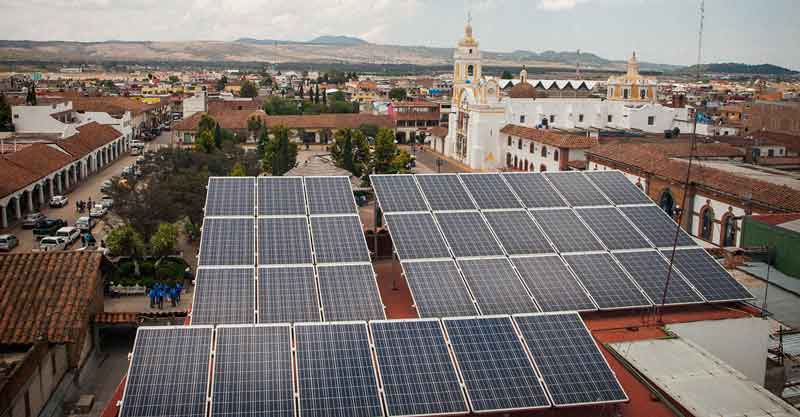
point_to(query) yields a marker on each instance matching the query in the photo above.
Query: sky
(661, 31)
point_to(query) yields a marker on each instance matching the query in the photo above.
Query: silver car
(8, 242)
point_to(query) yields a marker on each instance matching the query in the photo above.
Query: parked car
(107, 202)
(98, 211)
(137, 144)
(106, 185)
(85, 223)
(58, 201)
(70, 234)
(136, 151)
(32, 220)
(52, 243)
(8, 242)
(48, 227)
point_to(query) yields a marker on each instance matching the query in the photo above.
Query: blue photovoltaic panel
(576, 189)
(497, 372)
(566, 231)
(708, 276)
(612, 228)
(606, 281)
(283, 241)
(534, 190)
(227, 242)
(329, 195)
(415, 368)
(230, 196)
(168, 374)
(649, 270)
(253, 372)
(415, 236)
(619, 189)
(224, 296)
(335, 372)
(574, 370)
(468, 235)
(445, 192)
(438, 289)
(552, 284)
(517, 232)
(349, 292)
(287, 295)
(339, 239)
(490, 191)
(398, 193)
(280, 196)
(657, 226)
(496, 286)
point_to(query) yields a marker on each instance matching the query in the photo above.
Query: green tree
(401, 162)
(316, 95)
(301, 93)
(238, 171)
(507, 75)
(5, 115)
(383, 156)
(369, 129)
(266, 81)
(164, 241)
(221, 83)
(206, 123)
(280, 154)
(338, 96)
(350, 151)
(254, 126)
(173, 79)
(126, 241)
(217, 136)
(361, 153)
(249, 89)
(324, 96)
(278, 106)
(204, 142)
(398, 94)
(261, 144)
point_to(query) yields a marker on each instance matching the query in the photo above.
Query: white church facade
(482, 106)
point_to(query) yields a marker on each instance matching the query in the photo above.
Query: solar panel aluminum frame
(608, 202)
(552, 242)
(316, 288)
(517, 275)
(255, 288)
(569, 268)
(313, 246)
(319, 289)
(678, 249)
(413, 178)
(676, 274)
(460, 275)
(438, 230)
(133, 354)
(296, 362)
(578, 211)
(302, 189)
(589, 177)
(536, 224)
(512, 193)
(674, 223)
(463, 187)
(292, 364)
(544, 384)
(308, 200)
(488, 227)
(624, 271)
(565, 203)
(452, 362)
(232, 216)
(527, 355)
(255, 243)
(288, 216)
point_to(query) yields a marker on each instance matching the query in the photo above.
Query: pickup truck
(48, 227)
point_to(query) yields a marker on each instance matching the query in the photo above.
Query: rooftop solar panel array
(349, 292)
(283, 241)
(227, 242)
(708, 276)
(656, 226)
(534, 190)
(496, 287)
(398, 193)
(281, 196)
(490, 191)
(612, 228)
(445, 192)
(339, 239)
(553, 285)
(287, 295)
(467, 234)
(224, 296)
(617, 188)
(606, 281)
(649, 270)
(329, 195)
(438, 289)
(415, 236)
(576, 189)
(517, 232)
(566, 231)
(230, 196)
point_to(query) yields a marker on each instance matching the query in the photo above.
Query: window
(526, 165)
(522, 118)
(580, 118)
(771, 153)
(509, 141)
(625, 93)
(555, 155)
(542, 168)
(643, 93)
(552, 118)
(470, 51)
(651, 120)
(706, 223)
(470, 71)
(519, 144)
(610, 118)
(508, 160)
(544, 151)
(667, 203)
(611, 92)
(531, 147)
(729, 230)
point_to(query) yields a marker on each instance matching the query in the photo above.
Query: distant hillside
(738, 68)
(338, 40)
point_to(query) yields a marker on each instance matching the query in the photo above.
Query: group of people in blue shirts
(161, 290)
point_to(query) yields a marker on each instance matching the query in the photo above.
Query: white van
(52, 243)
(70, 234)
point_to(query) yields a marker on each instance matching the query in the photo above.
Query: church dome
(523, 89)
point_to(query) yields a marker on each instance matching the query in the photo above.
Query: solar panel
(576, 189)
(168, 374)
(517, 232)
(224, 296)
(335, 372)
(496, 286)
(415, 369)
(619, 189)
(227, 242)
(534, 190)
(708, 276)
(287, 295)
(329, 195)
(438, 289)
(281, 196)
(606, 281)
(230, 196)
(339, 239)
(253, 372)
(612, 228)
(398, 193)
(497, 372)
(490, 191)
(467, 234)
(574, 370)
(349, 292)
(415, 236)
(566, 231)
(445, 192)
(656, 225)
(283, 240)
(552, 284)
(649, 270)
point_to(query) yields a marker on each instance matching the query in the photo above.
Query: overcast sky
(663, 31)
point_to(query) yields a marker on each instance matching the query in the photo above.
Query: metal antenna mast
(700, 39)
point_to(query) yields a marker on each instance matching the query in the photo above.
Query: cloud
(557, 4)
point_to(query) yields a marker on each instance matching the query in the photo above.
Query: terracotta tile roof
(219, 106)
(228, 119)
(90, 137)
(48, 295)
(28, 165)
(550, 137)
(652, 159)
(791, 142)
(577, 164)
(778, 161)
(112, 105)
(776, 219)
(330, 121)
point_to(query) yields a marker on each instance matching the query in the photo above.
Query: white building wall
(194, 104)
(720, 209)
(37, 119)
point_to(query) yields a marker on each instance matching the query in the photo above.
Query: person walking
(152, 295)
(178, 290)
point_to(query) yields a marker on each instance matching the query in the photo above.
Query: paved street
(426, 161)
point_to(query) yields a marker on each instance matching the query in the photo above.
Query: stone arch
(706, 226)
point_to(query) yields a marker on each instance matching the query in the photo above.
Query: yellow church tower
(632, 87)
(466, 63)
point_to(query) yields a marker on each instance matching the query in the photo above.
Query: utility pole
(700, 40)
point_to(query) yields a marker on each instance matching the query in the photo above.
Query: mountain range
(320, 50)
